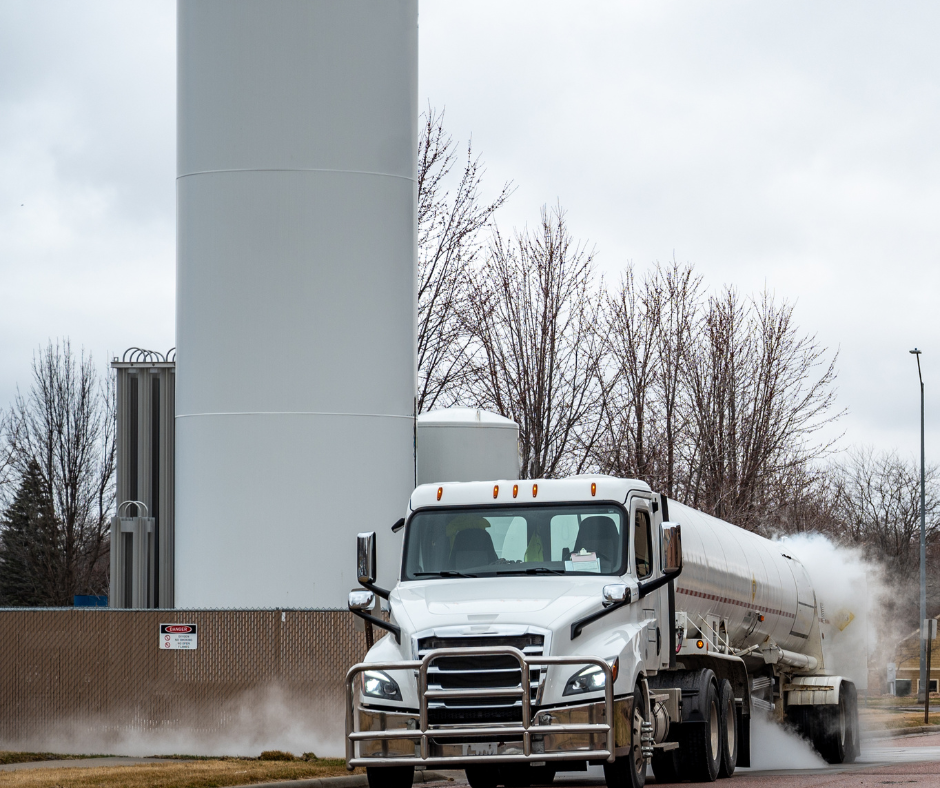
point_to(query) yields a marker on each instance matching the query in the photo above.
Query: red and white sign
(177, 636)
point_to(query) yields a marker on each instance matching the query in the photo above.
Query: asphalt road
(907, 761)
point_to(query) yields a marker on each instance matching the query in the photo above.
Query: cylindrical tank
(466, 445)
(740, 577)
(296, 297)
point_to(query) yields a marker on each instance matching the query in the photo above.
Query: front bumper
(597, 731)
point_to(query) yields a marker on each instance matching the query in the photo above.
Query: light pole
(924, 685)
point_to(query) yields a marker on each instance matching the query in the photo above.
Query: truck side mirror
(616, 593)
(365, 557)
(671, 548)
(361, 600)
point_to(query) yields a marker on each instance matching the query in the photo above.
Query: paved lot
(905, 761)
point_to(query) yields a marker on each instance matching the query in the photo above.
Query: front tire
(390, 776)
(482, 776)
(629, 771)
(543, 775)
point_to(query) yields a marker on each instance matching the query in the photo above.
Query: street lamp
(924, 686)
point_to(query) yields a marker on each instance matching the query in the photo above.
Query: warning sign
(177, 636)
(843, 618)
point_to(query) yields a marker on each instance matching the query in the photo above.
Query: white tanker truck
(545, 625)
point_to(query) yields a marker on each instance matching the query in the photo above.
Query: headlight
(376, 684)
(591, 679)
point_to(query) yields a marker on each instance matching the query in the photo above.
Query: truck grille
(479, 672)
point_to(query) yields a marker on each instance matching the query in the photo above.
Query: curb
(891, 733)
(350, 781)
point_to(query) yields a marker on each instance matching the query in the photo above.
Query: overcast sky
(788, 145)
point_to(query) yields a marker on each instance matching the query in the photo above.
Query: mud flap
(744, 740)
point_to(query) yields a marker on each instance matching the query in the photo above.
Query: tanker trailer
(741, 601)
(545, 625)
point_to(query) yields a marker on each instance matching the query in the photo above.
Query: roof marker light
(495, 490)
(440, 492)
(515, 490)
(535, 490)
(593, 489)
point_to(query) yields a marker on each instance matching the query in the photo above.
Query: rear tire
(390, 776)
(729, 730)
(833, 730)
(702, 757)
(629, 771)
(838, 737)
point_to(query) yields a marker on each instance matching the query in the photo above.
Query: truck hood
(548, 602)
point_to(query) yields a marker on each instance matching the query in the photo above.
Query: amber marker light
(495, 490)
(515, 490)
(535, 490)
(593, 489)
(700, 644)
(440, 492)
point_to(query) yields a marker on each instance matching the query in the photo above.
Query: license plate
(480, 748)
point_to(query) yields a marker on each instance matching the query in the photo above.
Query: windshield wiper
(533, 570)
(442, 573)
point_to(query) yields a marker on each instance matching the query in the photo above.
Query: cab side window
(643, 545)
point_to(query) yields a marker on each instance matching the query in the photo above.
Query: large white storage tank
(297, 145)
(466, 445)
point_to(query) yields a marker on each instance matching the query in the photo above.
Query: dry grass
(31, 757)
(213, 773)
(887, 716)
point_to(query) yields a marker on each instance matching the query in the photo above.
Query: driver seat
(472, 547)
(598, 534)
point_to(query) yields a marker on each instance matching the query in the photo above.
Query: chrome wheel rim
(730, 727)
(842, 721)
(714, 730)
(638, 760)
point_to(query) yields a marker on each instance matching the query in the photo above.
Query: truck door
(644, 562)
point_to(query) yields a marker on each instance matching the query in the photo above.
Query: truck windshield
(565, 539)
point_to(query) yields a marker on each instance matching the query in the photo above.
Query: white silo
(466, 445)
(296, 202)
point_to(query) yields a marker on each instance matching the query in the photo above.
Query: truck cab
(525, 623)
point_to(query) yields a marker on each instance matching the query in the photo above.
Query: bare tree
(759, 392)
(649, 331)
(535, 318)
(448, 245)
(677, 290)
(878, 505)
(64, 428)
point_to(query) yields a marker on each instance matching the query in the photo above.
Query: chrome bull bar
(525, 730)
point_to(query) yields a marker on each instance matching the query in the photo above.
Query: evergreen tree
(28, 549)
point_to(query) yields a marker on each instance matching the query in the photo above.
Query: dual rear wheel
(708, 749)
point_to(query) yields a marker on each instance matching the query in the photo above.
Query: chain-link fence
(108, 674)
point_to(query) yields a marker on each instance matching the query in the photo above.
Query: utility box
(142, 531)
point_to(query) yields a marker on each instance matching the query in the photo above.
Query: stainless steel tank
(746, 581)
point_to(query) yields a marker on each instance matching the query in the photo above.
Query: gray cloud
(787, 145)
